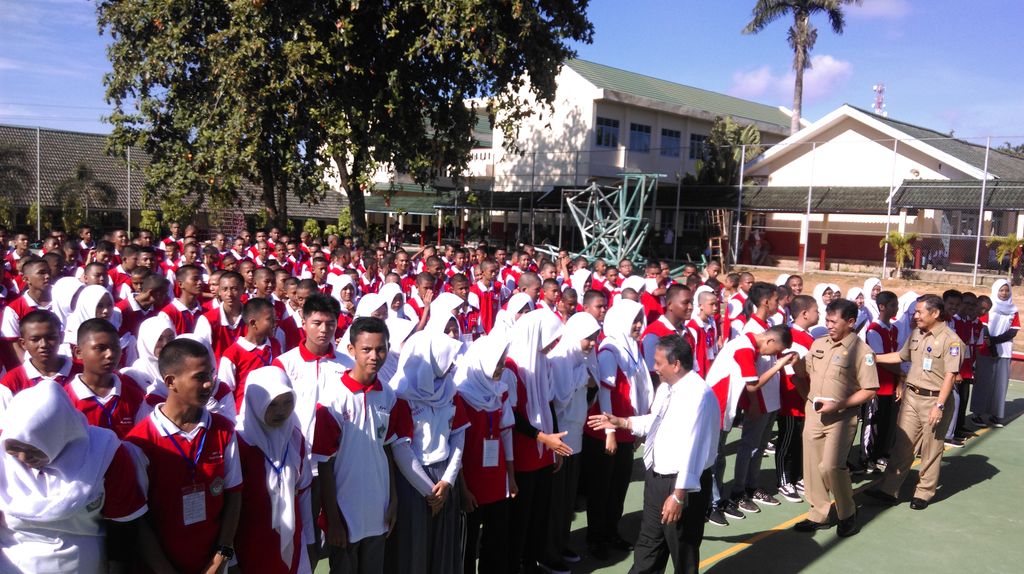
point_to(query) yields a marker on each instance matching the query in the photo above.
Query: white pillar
(903, 221)
(1020, 225)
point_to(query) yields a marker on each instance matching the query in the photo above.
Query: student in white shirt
(681, 446)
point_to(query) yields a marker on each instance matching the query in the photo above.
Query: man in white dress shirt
(681, 446)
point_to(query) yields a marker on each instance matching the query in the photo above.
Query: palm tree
(1008, 248)
(802, 35)
(80, 191)
(902, 248)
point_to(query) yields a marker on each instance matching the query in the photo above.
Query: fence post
(676, 228)
(129, 153)
(888, 208)
(805, 231)
(39, 195)
(739, 207)
(981, 213)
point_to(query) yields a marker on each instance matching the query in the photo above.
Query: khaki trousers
(913, 429)
(826, 446)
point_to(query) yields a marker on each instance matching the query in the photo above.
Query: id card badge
(926, 364)
(193, 504)
(490, 452)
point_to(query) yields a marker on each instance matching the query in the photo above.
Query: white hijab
(343, 280)
(85, 309)
(388, 293)
(781, 279)
(506, 318)
(578, 280)
(63, 295)
(442, 310)
(43, 416)
(904, 320)
(869, 301)
(1000, 316)
(617, 340)
(530, 335)
(569, 366)
(819, 292)
(474, 375)
(424, 370)
(367, 305)
(146, 369)
(281, 448)
(863, 315)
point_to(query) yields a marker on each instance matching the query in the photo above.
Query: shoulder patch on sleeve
(869, 359)
(954, 350)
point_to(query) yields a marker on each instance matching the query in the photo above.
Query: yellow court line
(741, 546)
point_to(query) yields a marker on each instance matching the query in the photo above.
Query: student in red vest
(36, 296)
(625, 390)
(106, 398)
(185, 310)
(254, 349)
(276, 479)
(40, 337)
(882, 335)
(189, 458)
(146, 303)
(703, 329)
(535, 440)
(220, 327)
(970, 330)
(63, 481)
(120, 276)
(419, 300)
(488, 470)
(550, 295)
(792, 399)
(357, 418)
(736, 313)
(678, 308)
(484, 297)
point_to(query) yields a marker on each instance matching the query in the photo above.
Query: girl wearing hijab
(370, 305)
(1003, 323)
(428, 531)
(221, 401)
(517, 305)
(391, 294)
(864, 316)
(624, 390)
(276, 512)
(60, 478)
(488, 470)
(64, 295)
(535, 440)
(904, 320)
(94, 302)
(823, 294)
(872, 287)
(573, 367)
(154, 333)
(344, 290)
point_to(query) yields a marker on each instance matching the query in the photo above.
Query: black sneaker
(996, 422)
(979, 422)
(747, 504)
(808, 525)
(717, 517)
(848, 526)
(799, 486)
(788, 492)
(918, 504)
(732, 510)
(954, 442)
(570, 557)
(761, 497)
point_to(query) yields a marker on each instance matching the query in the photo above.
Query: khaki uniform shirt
(839, 369)
(932, 355)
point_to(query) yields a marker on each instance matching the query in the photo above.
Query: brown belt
(922, 392)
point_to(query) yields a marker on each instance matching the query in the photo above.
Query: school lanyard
(278, 469)
(108, 409)
(193, 462)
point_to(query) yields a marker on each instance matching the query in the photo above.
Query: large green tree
(280, 92)
(801, 36)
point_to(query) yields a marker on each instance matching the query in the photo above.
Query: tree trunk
(269, 193)
(356, 202)
(799, 64)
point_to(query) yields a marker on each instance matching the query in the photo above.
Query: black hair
(801, 303)
(96, 326)
(884, 297)
(129, 250)
(952, 294)
(458, 279)
(846, 309)
(254, 306)
(549, 283)
(140, 273)
(675, 289)
(367, 325)
(677, 349)
(308, 284)
(231, 275)
(783, 291)
(320, 303)
(933, 303)
(33, 260)
(105, 246)
(264, 271)
(39, 316)
(425, 278)
(782, 334)
(184, 270)
(175, 353)
(759, 293)
(592, 294)
(102, 266)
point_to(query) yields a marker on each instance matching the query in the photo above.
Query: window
(671, 140)
(607, 132)
(697, 142)
(639, 138)
(692, 220)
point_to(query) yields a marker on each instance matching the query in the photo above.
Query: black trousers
(961, 413)
(493, 542)
(789, 450)
(680, 540)
(528, 518)
(886, 417)
(563, 502)
(607, 482)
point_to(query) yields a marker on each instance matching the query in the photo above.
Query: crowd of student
(178, 406)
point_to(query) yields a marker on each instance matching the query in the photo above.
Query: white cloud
(9, 64)
(880, 10)
(826, 75)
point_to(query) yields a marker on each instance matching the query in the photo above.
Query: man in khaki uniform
(934, 352)
(843, 376)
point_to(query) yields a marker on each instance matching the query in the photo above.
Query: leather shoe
(882, 497)
(848, 526)
(619, 543)
(808, 525)
(918, 504)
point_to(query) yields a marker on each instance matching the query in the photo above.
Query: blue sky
(946, 64)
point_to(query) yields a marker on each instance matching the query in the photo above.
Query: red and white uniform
(487, 483)
(735, 367)
(132, 315)
(652, 334)
(353, 425)
(118, 411)
(10, 329)
(884, 338)
(369, 284)
(183, 318)
(179, 467)
(308, 374)
(242, 358)
(414, 306)
(768, 394)
(734, 314)
(167, 241)
(214, 328)
(791, 403)
(484, 299)
(705, 343)
(26, 376)
(120, 283)
(972, 334)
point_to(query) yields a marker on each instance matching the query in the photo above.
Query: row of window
(607, 135)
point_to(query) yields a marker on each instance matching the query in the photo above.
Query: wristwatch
(226, 551)
(940, 406)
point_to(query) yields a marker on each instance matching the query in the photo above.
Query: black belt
(673, 475)
(922, 392)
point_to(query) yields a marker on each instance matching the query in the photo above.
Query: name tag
(490, 453)
(926, 364)
(193, 504)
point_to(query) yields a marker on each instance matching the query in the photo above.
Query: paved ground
(973, 525)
